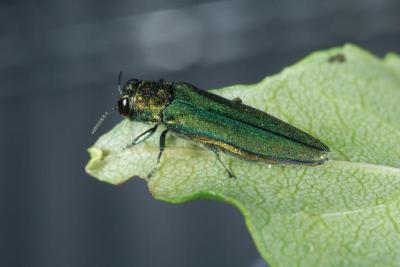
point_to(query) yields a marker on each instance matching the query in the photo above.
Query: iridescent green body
(219, 123)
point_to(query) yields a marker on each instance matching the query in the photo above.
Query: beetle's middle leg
(162, 147)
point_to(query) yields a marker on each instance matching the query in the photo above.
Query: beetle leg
(162, 146)
(143, 136)
(216, 151)
(237, 100)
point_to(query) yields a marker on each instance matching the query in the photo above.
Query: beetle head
(125, 103)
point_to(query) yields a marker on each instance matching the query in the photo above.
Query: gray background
(58, 68)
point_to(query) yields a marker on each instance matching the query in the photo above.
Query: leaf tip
(96, 161)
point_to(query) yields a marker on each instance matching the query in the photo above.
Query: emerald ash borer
(216, 122)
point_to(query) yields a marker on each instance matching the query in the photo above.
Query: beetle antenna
(119, 82)
(102, 118)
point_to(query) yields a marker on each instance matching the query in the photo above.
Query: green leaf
(343, 213)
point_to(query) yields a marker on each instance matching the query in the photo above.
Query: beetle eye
(124, 107)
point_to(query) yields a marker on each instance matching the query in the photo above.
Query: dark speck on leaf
(337, 58)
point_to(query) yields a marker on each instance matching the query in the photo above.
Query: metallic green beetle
(218, 123)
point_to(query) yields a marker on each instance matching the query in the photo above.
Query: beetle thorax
(150, 100)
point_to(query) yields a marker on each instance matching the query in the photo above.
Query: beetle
(216, 122)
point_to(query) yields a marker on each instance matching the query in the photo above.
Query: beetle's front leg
(162, 146)
(142, 137)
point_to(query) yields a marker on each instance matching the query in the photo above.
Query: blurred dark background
(59, 62)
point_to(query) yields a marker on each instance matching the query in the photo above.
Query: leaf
(343, 213)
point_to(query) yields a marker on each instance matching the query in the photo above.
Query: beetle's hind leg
(217, 151)
(237, 101)
(162, 147)
(142, 137)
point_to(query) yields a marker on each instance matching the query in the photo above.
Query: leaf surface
(345, 212)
